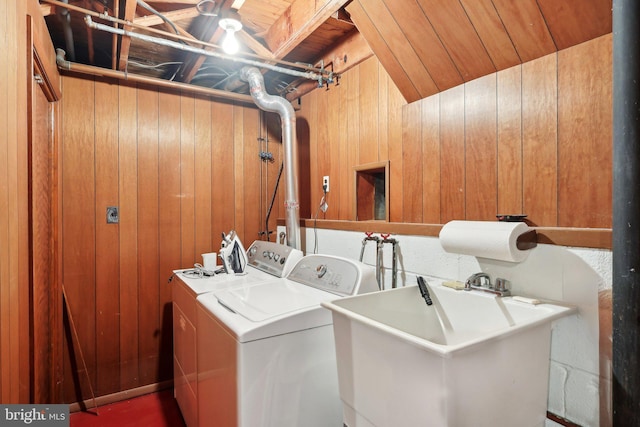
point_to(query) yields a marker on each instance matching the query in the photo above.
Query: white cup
(210, 261)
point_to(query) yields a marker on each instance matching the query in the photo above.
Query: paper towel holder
(527, 240)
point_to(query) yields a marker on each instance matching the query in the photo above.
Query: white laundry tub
(470, 359)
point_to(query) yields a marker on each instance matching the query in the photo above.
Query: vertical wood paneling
(43, 284)
(238, 168)
(383, 113)
(430, 122)
(79, 212)
(353, 135)
(368, 108)
(412, 162)
(148, 247)
(510, 141)
(345, 199)
(452, 157)
(539, 140)
(585, 135)
(187, 180)
(396, 198)
(168, 214)
(222, 172)
(251, 177)
(7, 9)
(107, 267)
(335, 154)
(481, 192)
(17, 329)
(308, 115)
(128, 225)
(203, 189)
(323, 146)
(157, 154)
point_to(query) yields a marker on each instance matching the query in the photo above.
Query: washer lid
(272, 299)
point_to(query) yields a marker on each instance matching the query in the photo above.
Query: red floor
(152, 410)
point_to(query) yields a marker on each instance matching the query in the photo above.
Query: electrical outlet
(325, 183)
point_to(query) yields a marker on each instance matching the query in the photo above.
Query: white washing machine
(263, 261)
(266, 353)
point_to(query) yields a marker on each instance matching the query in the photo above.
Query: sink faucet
(482, 282)
(478, 280)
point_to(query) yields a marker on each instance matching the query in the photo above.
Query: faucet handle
(477, 280)
(501, 284)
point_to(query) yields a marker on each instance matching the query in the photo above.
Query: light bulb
(230, 43)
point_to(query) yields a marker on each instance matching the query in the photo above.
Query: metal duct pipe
(277, 104)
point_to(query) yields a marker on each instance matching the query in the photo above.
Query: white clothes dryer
(266, 353)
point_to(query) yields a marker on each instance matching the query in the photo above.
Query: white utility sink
(471, 359)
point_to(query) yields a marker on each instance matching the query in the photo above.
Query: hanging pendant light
(230, 44)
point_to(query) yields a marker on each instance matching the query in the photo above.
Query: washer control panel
(273, 258)
(340, 276)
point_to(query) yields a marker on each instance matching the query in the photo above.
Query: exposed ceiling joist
(176, 15)
(125, 43)
(301, 19)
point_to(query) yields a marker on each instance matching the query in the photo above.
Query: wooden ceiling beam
(254, 45)
(173, 16)
(125, 41)
(47, 9)
(300, 19)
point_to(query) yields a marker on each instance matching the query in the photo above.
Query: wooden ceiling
(426, 46)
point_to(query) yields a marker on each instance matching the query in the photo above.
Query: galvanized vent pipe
(277, 104)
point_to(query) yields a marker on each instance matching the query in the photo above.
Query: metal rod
(379, 263)
(394, 267)
(164, 42)
(626, 212)
(394, 259)
(370, 238)
(105, 72)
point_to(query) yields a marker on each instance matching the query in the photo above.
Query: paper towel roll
(484, 239)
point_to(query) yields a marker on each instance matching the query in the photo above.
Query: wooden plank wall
(533, 139)
(182, 170)
(14, 202)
